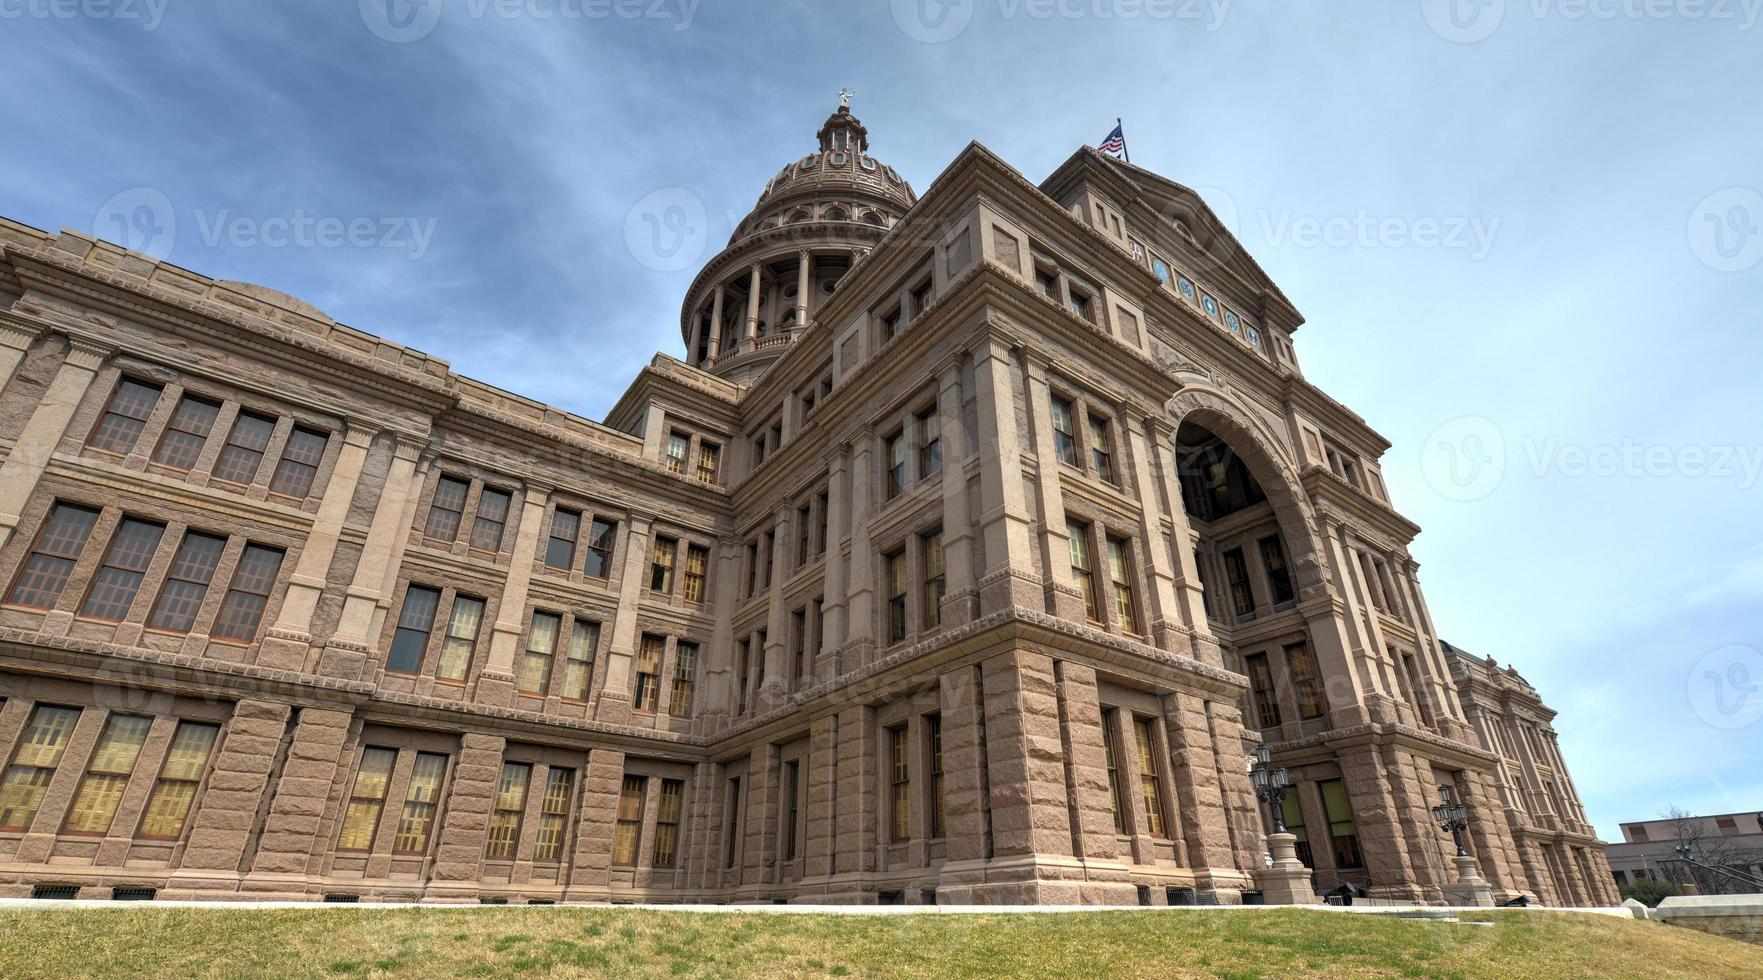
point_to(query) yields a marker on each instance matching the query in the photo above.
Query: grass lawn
(551, 942)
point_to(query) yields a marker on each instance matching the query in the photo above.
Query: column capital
(88, 354)
(19, 335)
(358, 433)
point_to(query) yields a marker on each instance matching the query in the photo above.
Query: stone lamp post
(1469, 888)
(1287, 882)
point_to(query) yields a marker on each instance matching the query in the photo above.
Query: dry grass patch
(565, 942)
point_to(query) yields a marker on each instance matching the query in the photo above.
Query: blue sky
(1522, 231)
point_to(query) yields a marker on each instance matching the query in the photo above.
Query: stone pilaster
(1199, 795)
(860, 618)
(295, 819)
(1062, 597)
(833, 611)
(288, 642)
(823, 787)
(591, 869)
(615, 694)
(16, 338)
(857, 814)
(495, 683)
(1008, 578)
(1381, 824)
(221, 826)
(1031, 818)
(1164, 618)
(961, 596)
(465, 822)
(42, 433)
(348, 650)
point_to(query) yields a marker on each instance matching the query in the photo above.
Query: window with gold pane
(628, 829)
(667, 822)
(168, 809)
(541, 643)
(510, 804)
(367, 799)
(1150, 784)
(107, 775)
(417, 821)
(554, 816)
(39, 752)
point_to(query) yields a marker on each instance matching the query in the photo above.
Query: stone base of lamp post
(1288, 881)
(1470, 889)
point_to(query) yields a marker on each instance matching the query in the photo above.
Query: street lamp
(1452, 816)
(1270, 785)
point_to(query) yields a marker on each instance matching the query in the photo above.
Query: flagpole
(1123, 150)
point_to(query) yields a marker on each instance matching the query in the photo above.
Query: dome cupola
(813, 221)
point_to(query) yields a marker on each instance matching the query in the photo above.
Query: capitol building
(966, 555)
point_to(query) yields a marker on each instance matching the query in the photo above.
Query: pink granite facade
(964, 558)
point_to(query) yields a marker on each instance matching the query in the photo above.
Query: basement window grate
(133, 894)
(55, 892)
(339, 899)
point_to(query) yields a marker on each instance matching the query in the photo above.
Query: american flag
(1114, 144)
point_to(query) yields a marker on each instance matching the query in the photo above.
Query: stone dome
(838, 182)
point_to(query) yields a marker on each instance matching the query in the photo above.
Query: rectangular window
(936, 580)
(245, 444)
(492, 517)
(752, 567)
(107, 775)
(661, 565)
(1064, 439)
(299, 466)
(709, 455)
(820, 523)
(505, 814)
(1046, 283)
(566, 526)
(1340, 824)
(600, 542)
(169, 806)
(1150, 786)
(630, 821)
(541, 645)
(186, 583)
(578, 666)
(1126, 611)
(770, 556)
(1293, 812)
(930, 444)
(731, 823)
(804, 530)
(896, 568)
(1102, 449)
(697, 562)
(900, 784)
(743, 673)
(648, 686)
(1306, 681)
(241, 612)
(1261, 683)
(554, 816)
(891, 325)
(124, 418)
(58, 548)
(362, 816)
(678, 444)
(933, 725)
(1078, 541)
(415, 624)
(1242, 597)
(667, 821)
(186, 433)
(39, 751)
(1110, 717)
(685, 677)
(417, 819)
(921, 298)
(894, 449)
(447, 508)
(1279, 577)
(791, 784)
(125, 564)
(463, 625)
(1080, 304)
(798, 645)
